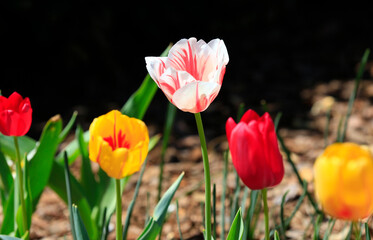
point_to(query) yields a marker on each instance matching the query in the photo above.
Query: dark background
(88, 56)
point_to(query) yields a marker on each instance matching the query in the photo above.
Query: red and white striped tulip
(192, 74)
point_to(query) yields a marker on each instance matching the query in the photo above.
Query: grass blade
(178, 220)
(133, 201)
(170, 118)
(254, 194)
(222, 212)
(351, 101)
(68, 127)
(329, 229)
(367, 232)
(68, 192)
(289, 159)
(283, 224)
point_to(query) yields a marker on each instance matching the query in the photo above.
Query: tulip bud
(15, 115)
(254, 149)
(344, 181)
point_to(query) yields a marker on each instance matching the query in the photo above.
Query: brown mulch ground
(50, 220)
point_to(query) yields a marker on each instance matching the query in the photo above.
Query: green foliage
(154, 225)
(237, 228)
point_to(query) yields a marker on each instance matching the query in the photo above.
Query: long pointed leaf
(87, 177)
(133, 201)
(6, 179)
(237, 227)
(41, 163)
(151, 231)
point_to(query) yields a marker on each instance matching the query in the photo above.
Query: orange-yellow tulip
(118, 143)
(344, 181)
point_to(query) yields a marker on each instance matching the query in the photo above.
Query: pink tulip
(192, 74)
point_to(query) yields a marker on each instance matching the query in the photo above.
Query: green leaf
(351, 101)
(59, 186)
(138, 103)
(237, 227)
(79, 228)
(87, 178)
(254, 194)
(68, 127)
(276, 237)
(133, 201)
(6, 179)
(367, 232)
(8, 214)
(41, 163)
(72, 149)
(155, 224)
(26, 145)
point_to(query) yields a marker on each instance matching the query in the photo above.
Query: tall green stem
(119, 209)
(265, 207)
(20, 184)
(206, 167)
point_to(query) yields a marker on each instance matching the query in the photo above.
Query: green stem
(206, 167)
(119, 209)
(20, 184)
(266, 219)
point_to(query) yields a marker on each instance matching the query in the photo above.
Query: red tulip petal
(229, 126)
(249, 116)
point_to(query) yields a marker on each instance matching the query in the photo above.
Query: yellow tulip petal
(343, 181)
(118, 143)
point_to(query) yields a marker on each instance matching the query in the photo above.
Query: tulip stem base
(265, 208)
(206, 167)
(19, 179)
(118, 210)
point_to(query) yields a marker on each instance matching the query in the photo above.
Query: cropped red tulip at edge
(15, 115)
(254, 150)
(192, 74)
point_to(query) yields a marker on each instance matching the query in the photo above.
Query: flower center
(117, 141)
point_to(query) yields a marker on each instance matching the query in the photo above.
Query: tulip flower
(254, 149)
(191, 77)
(15, 115)
(118, 143)
(192, 74)
(15, 120)
(344, 182)
(255, 154)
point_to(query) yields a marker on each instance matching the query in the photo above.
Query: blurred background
(89, 55)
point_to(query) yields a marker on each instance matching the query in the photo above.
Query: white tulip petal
(172, 80)
(156, 67)
(196, 96)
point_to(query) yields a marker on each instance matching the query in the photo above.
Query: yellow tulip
(118, 143)
(344, 181)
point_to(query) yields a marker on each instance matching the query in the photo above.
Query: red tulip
(15, 115)
(254, 149)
